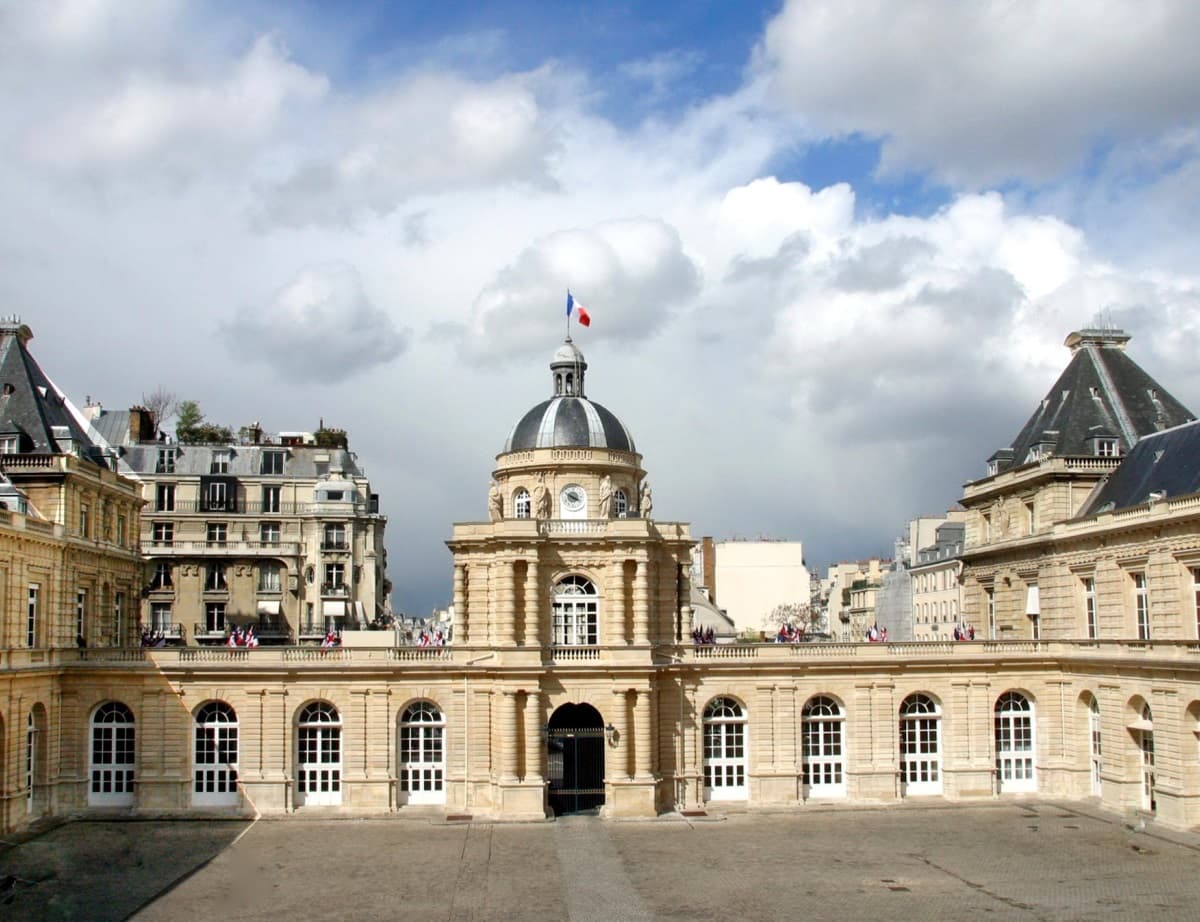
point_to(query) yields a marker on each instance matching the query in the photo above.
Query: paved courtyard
(1033, 860)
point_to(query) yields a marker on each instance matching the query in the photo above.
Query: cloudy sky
(831, 249)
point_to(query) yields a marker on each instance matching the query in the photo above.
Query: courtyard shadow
(105, 870)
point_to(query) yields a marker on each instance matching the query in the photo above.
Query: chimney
(710, 567)
(141, 425)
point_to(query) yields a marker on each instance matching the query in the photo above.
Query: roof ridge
(1114, 397)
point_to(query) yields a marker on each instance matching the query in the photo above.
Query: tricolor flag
(585, 319)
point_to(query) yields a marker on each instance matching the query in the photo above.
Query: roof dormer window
(1106, 448)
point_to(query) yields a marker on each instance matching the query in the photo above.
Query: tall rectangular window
(270, 498)
(162, 575)
(335, 537)
(268, 577)
(84, 520)
(1196, 597)
(166, 461)
(335, 576)
(216, 532)
(989, 596)
(214, 617)
(31, 615)
(80, 615)
(1141, 605)
(220, 462)
(164, 497)
(1089, 607)
(118, 631)
(163, 533)
(1030, 518)
(121, 530)
(214, 578)
(272, 462)
(216, 496)
(9, 444)
(160, 617)
(268, 532)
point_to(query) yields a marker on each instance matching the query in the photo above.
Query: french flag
(585, 319)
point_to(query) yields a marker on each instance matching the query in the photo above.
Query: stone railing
(568, 527)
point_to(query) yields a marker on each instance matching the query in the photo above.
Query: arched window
(920, 746)
(1096, 749)
(319, 755)
(422, 754)
(821, 748)
(31, 736)
(112, 756)
(1014, 743)
(215, 756)
(521, 504)
(36, 762)
(620, 504)
(724, 750)
(576, 608)
(1145, 738)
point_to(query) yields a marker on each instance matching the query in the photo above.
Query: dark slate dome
(569, 419)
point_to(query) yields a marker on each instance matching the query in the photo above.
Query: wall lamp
(611, 734)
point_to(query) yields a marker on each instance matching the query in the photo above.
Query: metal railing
(210, 548)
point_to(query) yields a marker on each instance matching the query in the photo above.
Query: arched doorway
(575, 759)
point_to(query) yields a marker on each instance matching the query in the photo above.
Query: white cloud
(989, 91)
(319, 328)
(629, 272)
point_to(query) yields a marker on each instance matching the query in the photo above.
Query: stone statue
(495, 502)
(541, 497)
(606, 494)
(646, 503)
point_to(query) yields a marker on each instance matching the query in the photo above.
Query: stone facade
(573, 683)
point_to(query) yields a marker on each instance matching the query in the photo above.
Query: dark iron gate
(575, 759)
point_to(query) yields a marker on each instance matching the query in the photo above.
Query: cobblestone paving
(1030, 860)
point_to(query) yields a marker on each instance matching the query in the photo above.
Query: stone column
(643, 765)
(533, 606)
(641, 602)
(506, 602)
(461, 628)
(510, 723)
(533, 737)
(615, 631)
(620, 722)
(685, 594)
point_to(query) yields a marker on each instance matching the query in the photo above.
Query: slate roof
(30, 404)
(569, 422)
(1101, 393)
(299, 462)
(1166, 463)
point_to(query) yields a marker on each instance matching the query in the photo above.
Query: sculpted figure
(646, 503)
(495, 502)
(541, 498)
(606, 493)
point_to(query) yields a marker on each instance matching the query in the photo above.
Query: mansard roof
(31, 407)
(1161, 465)
(1102, 394)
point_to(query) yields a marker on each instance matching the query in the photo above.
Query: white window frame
(220, 461)
(1095, 747)
(215, 578)
(522, 504)
(112, 756)
(164, 497)
(214, 617)
(166, 461)
(920, 746)
(575, 612)
(161, 620)
(1141, 604)
(334, 537)
(335, 576)
(1107, 448)
(1145, 740)
(318, 755)
(272, 498)
(1091, 623)
(725, 737)
(84, 519)
(216, 496)
(1196, 599)
(272, 462)
(269, 578)
(216, 534)
(32, 611)
(162, 534)
(215, 756)
(422, 754)
(31, 766)
(620, 504)
(10, 444)
(1015, 740)
(118, 637)
(81, 598)
(268, 533)
(163, 578)
(989, 598)
(822, 747)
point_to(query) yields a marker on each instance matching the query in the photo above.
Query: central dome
(569, 419)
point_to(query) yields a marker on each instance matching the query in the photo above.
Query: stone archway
(575, 759)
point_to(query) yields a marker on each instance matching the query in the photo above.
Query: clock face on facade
(572, 502)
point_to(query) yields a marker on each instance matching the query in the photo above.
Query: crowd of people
(151, 638)
(331, 639)
(877, 634)
(964, 632)
(702, 637)
(789, 634)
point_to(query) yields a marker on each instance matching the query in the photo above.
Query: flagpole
(568, 316)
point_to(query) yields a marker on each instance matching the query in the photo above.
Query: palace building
(573, 683)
